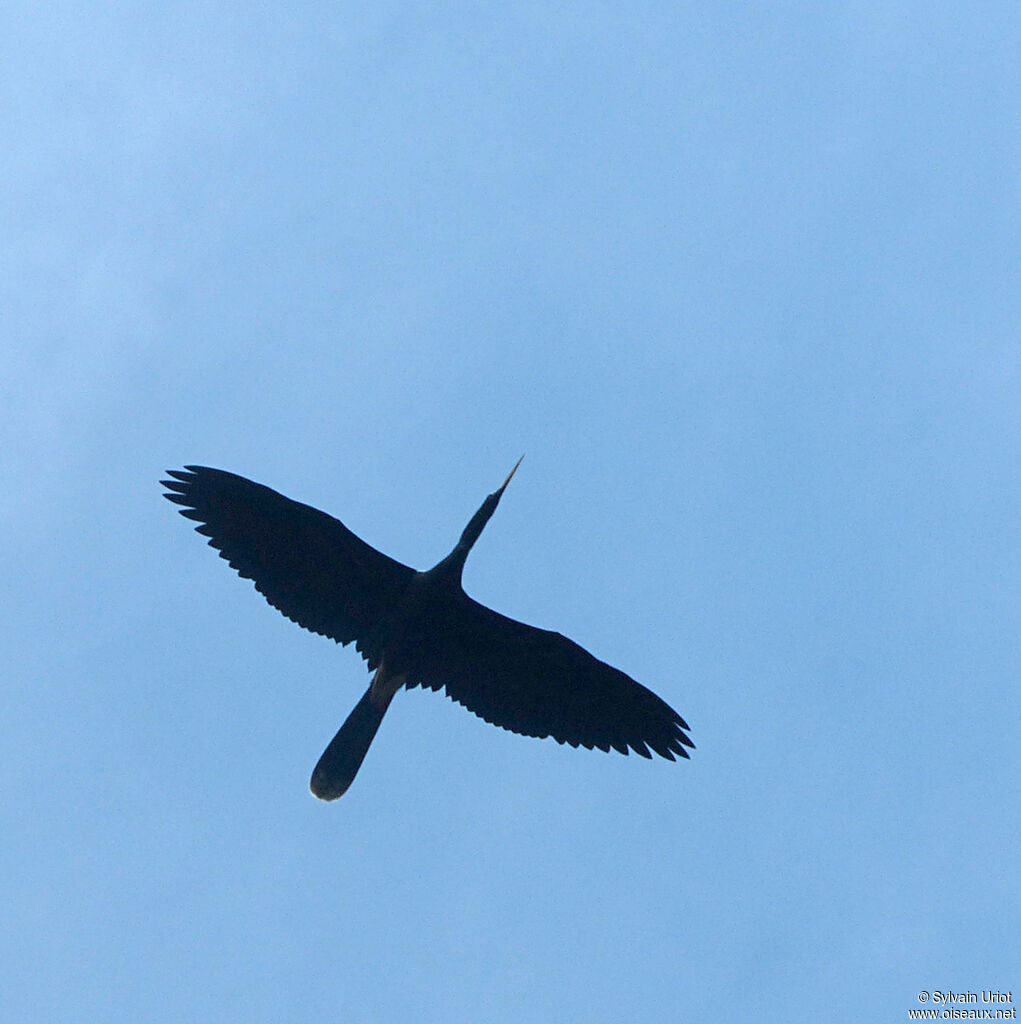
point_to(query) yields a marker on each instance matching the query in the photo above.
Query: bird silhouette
(418, 628)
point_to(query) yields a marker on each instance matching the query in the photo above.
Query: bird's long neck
(453, 565)
(471, 533)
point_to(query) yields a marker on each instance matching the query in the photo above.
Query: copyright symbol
(923, 996)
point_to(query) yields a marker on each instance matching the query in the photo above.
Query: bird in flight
(418, 628)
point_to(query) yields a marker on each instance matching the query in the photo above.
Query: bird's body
(418, 629)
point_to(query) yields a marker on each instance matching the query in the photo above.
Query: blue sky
(741, 280)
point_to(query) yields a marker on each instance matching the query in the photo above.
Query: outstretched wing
(307, 564)
(538, 683)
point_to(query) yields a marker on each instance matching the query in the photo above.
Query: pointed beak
(503, 486)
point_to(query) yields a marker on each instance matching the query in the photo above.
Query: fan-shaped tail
(341, 760)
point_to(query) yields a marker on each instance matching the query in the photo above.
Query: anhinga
(418, 628)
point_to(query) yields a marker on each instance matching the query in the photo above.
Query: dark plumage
(418, 628)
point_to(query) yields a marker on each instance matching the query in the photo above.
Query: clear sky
(742, 280)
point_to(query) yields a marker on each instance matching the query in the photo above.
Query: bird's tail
(341, 760)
